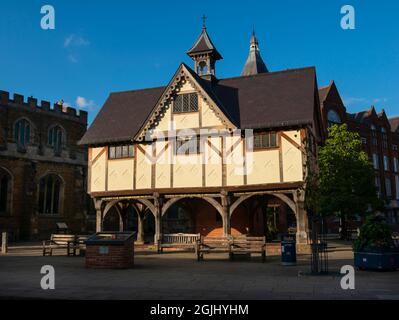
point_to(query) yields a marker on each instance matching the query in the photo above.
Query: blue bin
(288, 253)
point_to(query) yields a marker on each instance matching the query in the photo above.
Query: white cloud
(73, 58)
(354, 101)
(84, 103)
(75, 41)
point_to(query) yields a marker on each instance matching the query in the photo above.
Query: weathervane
(204, 21)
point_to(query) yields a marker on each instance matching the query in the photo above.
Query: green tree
(345, 178)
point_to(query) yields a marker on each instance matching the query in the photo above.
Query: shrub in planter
(374, 248)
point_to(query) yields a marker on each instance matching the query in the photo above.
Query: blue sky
(104, 46)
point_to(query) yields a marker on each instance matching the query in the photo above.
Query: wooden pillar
(4, 243)
(99, 215)
(301, 222)
(140, 229)
(158, 221)
(140, 210)
(226, 213)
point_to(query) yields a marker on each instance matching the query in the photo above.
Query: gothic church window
(56, 138)
(22, 133)
(5, 185)
(50, 194)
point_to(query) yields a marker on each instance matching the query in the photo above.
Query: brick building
(380, 139)
(42, 169)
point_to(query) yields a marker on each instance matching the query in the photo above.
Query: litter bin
(288, 253)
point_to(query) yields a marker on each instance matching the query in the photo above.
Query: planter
(377, 260)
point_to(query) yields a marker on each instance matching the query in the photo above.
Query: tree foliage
(346, 176)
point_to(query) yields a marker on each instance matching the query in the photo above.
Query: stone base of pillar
(140, 243)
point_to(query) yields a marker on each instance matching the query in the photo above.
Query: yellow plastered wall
(144, 167)
(98, 170)
(292, 157)
(234, 161)
(213, 166)
(187, 172)
(209, 118)
(120, 174)
(163, 166)
(263, 167)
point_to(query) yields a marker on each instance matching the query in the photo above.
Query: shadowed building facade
(245, 174)
(43, 172)
(380, 140)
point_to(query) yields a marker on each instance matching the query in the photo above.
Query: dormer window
(186, 103)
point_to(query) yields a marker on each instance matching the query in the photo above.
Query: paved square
(179, 276)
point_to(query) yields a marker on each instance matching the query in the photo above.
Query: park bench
(178, 240)
(212, 245)
(57, 241)
(244, 245)
(78, 243)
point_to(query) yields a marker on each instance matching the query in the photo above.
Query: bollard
(4, 243)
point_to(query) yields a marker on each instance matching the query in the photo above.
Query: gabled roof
(204, 45)
(394, 122)
(265, 100)
(330, 93)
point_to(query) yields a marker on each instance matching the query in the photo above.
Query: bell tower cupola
(204, 54)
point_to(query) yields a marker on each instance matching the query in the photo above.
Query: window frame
(43, 201)
(269, 134)
(27, 133)
(118, 152)
(189, 96)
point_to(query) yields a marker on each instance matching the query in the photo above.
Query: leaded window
(121, 152)
(265, 140)
(186, 103)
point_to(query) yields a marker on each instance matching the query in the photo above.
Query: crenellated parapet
(45, 106)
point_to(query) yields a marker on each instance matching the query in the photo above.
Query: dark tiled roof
(261, 101)
(323, 93)
(204, 44)
(394, 122)
(121, 116)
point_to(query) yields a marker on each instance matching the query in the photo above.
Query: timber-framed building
(152, 168)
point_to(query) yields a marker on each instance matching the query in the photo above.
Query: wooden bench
(57, 241)
(79, 243)
(212, 245)
(248, 245)
(178, 240)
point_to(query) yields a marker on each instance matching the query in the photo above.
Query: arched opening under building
(133, 220)
(112, 220)
(193, 215)
(263, 215)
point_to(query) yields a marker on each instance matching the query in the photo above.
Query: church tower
(204, 54)
(254, 64)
